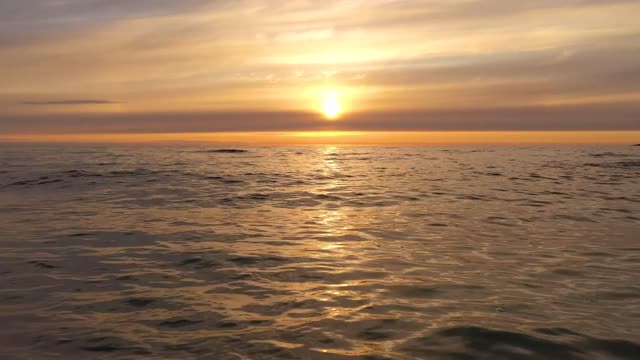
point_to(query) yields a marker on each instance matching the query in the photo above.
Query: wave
(224, 151)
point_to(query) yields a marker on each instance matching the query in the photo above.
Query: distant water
(319, 253)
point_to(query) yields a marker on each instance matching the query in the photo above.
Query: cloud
(618, 116)
(56, 11)
(414, 64)
(71, 102)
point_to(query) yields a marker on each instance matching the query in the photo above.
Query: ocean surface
(319, 252)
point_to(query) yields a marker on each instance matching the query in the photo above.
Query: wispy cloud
(71, 102)
(471, 59)
(563, 117)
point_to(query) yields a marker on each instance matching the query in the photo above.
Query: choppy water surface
(319, 253)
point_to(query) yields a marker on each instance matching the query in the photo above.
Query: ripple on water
(319, 253)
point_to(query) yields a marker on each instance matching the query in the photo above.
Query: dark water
(319, 253)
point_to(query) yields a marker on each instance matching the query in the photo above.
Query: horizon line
(374, 137)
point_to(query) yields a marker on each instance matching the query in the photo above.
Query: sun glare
(331, 106)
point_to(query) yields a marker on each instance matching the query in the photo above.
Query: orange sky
(350, 138)
(75, 68)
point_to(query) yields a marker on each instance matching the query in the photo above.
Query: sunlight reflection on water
(319, 252)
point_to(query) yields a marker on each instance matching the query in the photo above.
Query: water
(319, 253)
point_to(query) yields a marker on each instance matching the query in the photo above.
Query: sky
(123, 68)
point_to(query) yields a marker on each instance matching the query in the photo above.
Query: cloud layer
(70, 102)
(249, 65)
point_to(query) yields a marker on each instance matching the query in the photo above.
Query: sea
(319, 252)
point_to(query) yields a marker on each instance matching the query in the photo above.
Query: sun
(331, 106)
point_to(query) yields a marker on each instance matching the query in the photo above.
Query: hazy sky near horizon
(128, 66)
